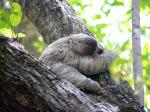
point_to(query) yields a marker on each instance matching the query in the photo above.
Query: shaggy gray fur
(75, 57)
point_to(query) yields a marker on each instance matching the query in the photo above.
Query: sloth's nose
(100, 49)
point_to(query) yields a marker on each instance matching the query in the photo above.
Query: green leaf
(15, 19)
(16, 7)
(7, 32)
(4, 24)
(117, 3)
(3, 14)
(4, 19)
(15, 14)
(96, 17)
(21, 35)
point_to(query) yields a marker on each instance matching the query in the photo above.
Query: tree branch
(59, 18)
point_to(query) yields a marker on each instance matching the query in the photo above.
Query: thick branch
(59, 18)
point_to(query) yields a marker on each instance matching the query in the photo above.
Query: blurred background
(108, 20)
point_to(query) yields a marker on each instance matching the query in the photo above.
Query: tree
(136, 47)
(33, 87)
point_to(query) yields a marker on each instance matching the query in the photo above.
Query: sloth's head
(85, 45)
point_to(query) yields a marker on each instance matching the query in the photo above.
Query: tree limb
(59, 18)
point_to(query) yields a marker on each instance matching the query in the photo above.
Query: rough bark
(26, 85)
(59, 18)
(54, 19)
(136, 51)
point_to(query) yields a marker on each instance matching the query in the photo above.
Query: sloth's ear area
(90, 41)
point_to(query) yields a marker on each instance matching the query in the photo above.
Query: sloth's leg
(75, 77)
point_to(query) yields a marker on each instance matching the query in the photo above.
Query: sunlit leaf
(7, 32)
(95, 17)
(117, 3)
(16, 7)
(20, 35)
(15, 19)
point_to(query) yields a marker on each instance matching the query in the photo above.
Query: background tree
(136, 47)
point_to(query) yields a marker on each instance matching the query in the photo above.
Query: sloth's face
(86, 46)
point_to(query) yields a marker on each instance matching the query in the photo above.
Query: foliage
(39, 44)
(10, 17)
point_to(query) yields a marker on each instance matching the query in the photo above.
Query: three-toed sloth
(76, 57)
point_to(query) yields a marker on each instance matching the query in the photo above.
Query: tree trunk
(136, 50)
(53, 18)
(34, 86)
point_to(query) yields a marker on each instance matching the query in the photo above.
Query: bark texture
(59, 18)
(55, 19)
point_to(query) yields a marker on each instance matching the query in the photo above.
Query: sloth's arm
(75, 77)
(90, 65)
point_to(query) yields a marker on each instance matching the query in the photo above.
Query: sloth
(76, 57)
